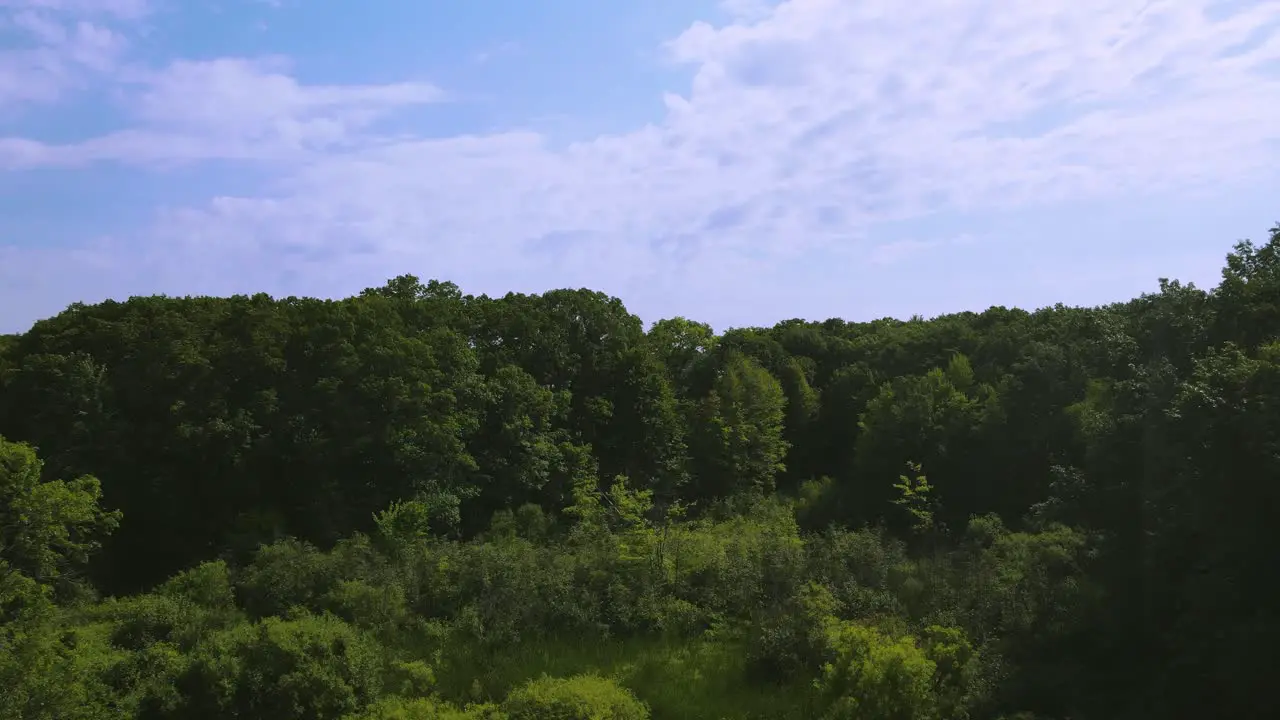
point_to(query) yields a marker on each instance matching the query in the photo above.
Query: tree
(803, 407)
(1216, 529)
(517, 446)
(48, 528)
(739, 445)
(681, 345)
(935, 419)
(1248, 298)
(915, 497)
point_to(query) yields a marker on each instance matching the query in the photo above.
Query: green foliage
(1248, 299)
(738, 434)
(915, 498)
(398, 708)
(207, 585)
(619, 509)
(877, 676)
(582, 697)
(405, 522)
(368, 606)
(313, 667)
(681, 344)
(792, 641)
(957, 680)
(935, 419)
(416, 503)
(22, 599)
(49, 672)
(145, 620)
(48, 528)
(286, 575)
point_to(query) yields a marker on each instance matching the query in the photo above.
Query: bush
(958, 669)
(876, 676)
(366, 606)
(182, 611)
(207, 585)
(582, 697)
(147, 619)
(396, 708)
(145, 680)
(792, 640)
(312, 668)
(283, 576)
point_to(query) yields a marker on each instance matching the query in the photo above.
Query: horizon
(648, 323)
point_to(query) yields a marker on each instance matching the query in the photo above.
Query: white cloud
(245, 95)
(123, 9)
(53, 46)
(808, 122)
(256, 102)
(824, 116)
(230, 108)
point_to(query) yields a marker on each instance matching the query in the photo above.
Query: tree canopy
(417, 503)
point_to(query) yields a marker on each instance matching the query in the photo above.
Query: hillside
(416, 503)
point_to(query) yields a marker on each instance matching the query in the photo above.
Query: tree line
(415, 503)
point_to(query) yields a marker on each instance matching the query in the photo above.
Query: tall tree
(738, 442)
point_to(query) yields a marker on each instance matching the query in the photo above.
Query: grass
(680, 679)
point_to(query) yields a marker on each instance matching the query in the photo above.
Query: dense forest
(416, 503)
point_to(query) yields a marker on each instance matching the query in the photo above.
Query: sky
(739, 162)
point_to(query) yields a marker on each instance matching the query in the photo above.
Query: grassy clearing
(679, 679)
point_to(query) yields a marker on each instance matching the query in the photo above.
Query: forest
(415, 503)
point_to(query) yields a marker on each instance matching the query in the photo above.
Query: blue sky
(738, 162)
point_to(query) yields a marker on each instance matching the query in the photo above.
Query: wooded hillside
(416, 503)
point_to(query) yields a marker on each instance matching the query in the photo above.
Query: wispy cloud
(230, 109)
(50, 47)
(122, 9)
(870, 110)
(807, 123)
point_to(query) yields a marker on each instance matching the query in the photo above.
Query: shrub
(366, 606)
(876, 676)
(207, 585)
(312, 668)
(283, 576)
(397, 708)
(582, 697)
(792, 639)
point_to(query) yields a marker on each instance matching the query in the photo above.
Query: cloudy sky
(739, 162)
